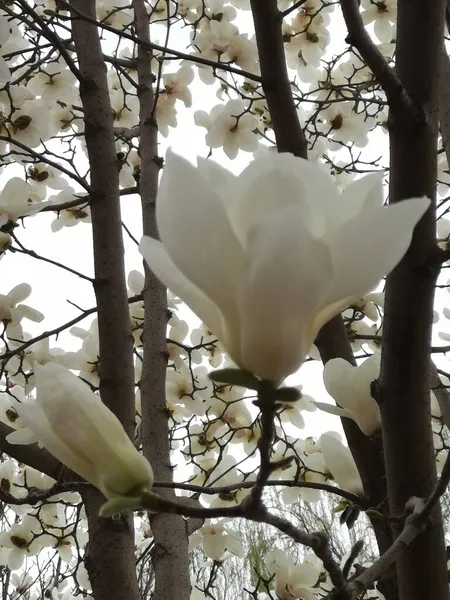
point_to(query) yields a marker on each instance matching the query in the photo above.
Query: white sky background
(52, 287)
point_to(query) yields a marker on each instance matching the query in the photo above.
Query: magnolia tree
(160, 452)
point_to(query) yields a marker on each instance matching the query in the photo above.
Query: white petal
(383, 30)
(363, 194)
(335, 410)
(214, 546)
(341, 464)
(304, 575)
(197, 234)
(364, 405)
(310, 495)
(295, 417)
(19, 293)
(35, 420)
(26, 312)
(161, 264)
(285, 276)
(5, 73)
(15, 192)
(337, 378)
(15, 559)
(224, 183)
(136, 282)
(289, 495)
(22, 436)
(368, 247)
(274, 182)
(305, 594)
(234, 545)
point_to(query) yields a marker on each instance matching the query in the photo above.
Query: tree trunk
(404, 394)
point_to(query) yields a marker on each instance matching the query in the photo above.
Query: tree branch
(110, 559)
(171, 557)
(358, 37)
(151, 46)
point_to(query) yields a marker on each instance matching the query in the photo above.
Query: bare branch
(358, 37)
(150, 46)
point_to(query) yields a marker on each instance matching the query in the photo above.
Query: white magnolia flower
(15, 201)
(313, 472)
(55, 83)
(217, 542)
(10, 480)
(30, 124)
(21, 540)
(176, 84)
(229, 127)
(383, 14)
(69, 217)
(340, 463)
(166, 113)
(268, 257)
(305, 47)
(342, 124)
(78, 429)
(243, 52)
(292, 581)
(350, 387)
(12, 311)
(41, 177)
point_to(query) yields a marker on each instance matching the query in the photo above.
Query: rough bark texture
(277, 89)
(444, 92)
(170, 556)
(444, 102)
(110, 557)
(404, 379)
(332, 340)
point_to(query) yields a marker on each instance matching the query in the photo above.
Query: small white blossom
(229, 127)
(217, 541)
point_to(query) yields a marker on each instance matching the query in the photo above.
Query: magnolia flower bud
(79, 430)
(268, 257)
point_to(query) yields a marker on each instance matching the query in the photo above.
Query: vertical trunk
(332, 340)
(170, 557)
(404, 379)
(110, 556)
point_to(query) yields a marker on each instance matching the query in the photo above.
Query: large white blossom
(78, 429)
(268, 257)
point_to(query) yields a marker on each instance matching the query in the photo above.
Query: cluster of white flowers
(278, 211)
